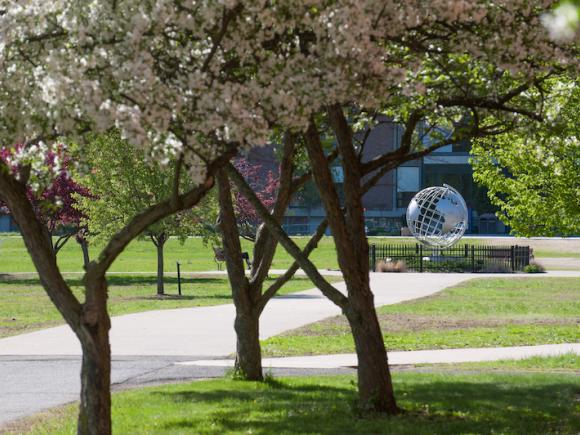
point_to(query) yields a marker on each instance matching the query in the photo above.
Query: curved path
(39, 370)
(208, 331)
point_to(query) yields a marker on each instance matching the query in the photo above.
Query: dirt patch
(7, 330)
(413, 323)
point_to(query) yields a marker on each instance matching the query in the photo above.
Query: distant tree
(533, 173)
(124, 182)
(54, 200)
(265, 184)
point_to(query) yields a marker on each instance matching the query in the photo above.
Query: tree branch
(229, 229)
(176, 180)
(405, 147)
(226, 19)
(325, 183)
(352, 176)
(484, 103)
(60, 242)
(289, 274)
(265, 246)
(325, 287)
(154, 214)
(300, 181)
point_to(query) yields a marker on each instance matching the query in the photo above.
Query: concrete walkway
(208, 331)
(41, 369)
(442, 356)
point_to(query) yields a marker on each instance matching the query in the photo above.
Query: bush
(534, 267)
(391, 266)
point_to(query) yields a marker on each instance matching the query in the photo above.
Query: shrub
(391, 266)
(534, 267)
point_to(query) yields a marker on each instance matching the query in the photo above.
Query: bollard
(178, 278)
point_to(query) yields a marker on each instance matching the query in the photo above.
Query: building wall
(7, 224)
(383, 138)
(386, 203)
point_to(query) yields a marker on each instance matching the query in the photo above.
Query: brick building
(385, 204)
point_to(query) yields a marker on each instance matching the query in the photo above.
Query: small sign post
(178, 279)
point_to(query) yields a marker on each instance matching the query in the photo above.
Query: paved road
(41, 369)
(29, 385)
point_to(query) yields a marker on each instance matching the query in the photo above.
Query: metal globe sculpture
(437, 216)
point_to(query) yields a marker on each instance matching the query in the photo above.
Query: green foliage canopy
(533, 173)
(125, 182)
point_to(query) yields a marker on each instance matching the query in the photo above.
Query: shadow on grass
(117, 280)
(510, 405)
(183, 297)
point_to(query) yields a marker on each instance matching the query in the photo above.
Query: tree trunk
(248, 352)
(160, 284)
(85, 248)
(245, 295)
(95, 407)
(374, 378)
(347, 222)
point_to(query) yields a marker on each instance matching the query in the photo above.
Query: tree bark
(95, 407)
(347, 224)
(375, 386)
(159, 241)
(85, 248)
(248, 352)
(245, 295)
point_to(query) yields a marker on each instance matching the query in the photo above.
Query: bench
(220, 257)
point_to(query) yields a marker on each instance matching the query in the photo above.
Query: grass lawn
(140, 255)
(24, 305)
(436, 403)
(477, 313)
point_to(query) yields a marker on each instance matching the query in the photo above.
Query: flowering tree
(196, 81)
(265, 185)
(176, 78)
(54, 201)
(476, 69)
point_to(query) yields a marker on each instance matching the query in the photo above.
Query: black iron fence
(460, 258)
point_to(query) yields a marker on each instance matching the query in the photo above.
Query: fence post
(513, 257)
(178, 279)
(472, 258)
(373, 257)
(420, 258)
(527, 254)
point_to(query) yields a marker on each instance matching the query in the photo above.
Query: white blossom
(160, 72)
(563, 22)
